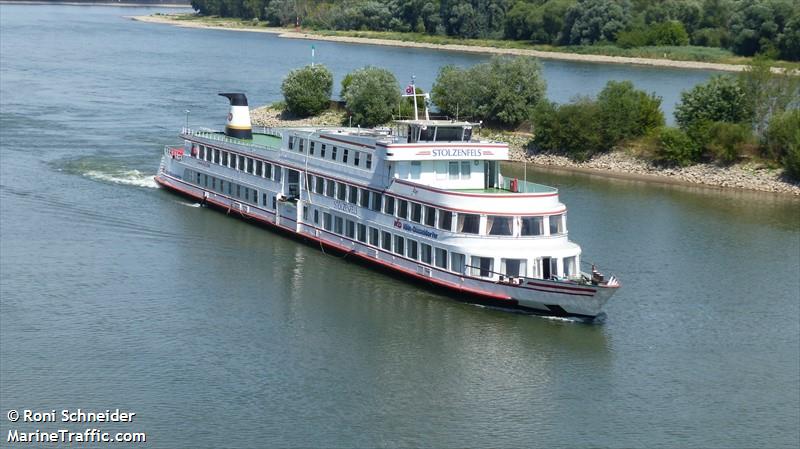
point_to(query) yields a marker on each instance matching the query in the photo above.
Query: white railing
(212, 135)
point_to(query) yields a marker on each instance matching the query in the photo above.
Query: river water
(115, 294)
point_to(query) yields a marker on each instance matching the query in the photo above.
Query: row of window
(500, 225)
(232, 189)
(359, 159)
(237, 162)
(435, 256)
(442, 170)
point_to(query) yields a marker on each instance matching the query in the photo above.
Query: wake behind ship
(424, 198)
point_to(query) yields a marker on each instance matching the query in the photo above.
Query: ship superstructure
(425, 198)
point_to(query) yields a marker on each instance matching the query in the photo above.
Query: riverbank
(619, 164)
(465, 46)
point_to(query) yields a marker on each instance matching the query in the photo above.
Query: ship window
(426, 253)
(466, 170)
(452, 170)
(399, 245)
(305, 213)
(208, 154)
(241, 163)
(556, 224)
(430, 216)
(333, 153)
(388, 205)
(250, 165)
(300, 147)
(291, 142)
(221, 186)
(230, 188)
(369, 162)
(364, 200)
(319, 186)
(278, 173)
(386, 240)
(264, 199)
(413, 249)
(341, 191)
(330, 188)
(246, 194)
(268, 170)
(402, 209)
(350, 229)
(373, 236)
(202, 152)
(445, 220)
(357, 158)
(274, 202)
(416, 169)
(416, 212)
(362, 233)
(216, 156)
(322, 150)
(327, 221)
(482, 266)
(214, 183)
(441, 258)
(376, 201)
(569, 266)
(448, 134)
(457, 262)
(514, 267)
(344, 155)
(309, 182)
(352, 194)
(238, 191)
(468, 223)
(497, 225)
(532, 226)
(259, 168)
(311, 145)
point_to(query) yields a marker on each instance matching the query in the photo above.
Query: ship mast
(411, 91)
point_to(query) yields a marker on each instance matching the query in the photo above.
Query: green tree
(503, 90)
(668, 33)
(767, 93)
(721, 99)
(675, 147)
(590, 21)
(626, 112)
(307, 91)
(756, 24)
(783, 136)
(789, 40)
(371, 94)
(574, 129)
(727, 142)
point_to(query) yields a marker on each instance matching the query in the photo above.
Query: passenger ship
(424, 198)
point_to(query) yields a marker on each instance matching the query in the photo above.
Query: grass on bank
(676, 53)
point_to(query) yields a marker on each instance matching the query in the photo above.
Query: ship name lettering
(345, 207)
(456, 152)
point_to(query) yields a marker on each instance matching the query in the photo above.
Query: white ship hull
(545, 297)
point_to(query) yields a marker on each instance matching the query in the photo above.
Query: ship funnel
(238, 124)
